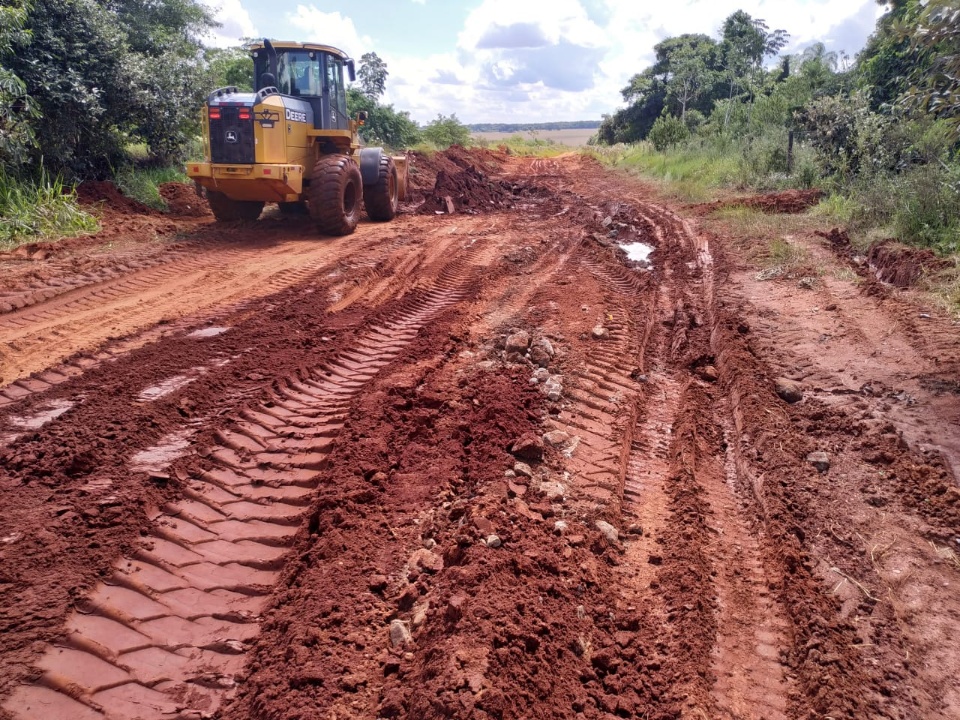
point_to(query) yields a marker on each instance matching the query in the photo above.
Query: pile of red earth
(900, 265)
(789, 202)
(424, 168)
(110, 199)
(183, 201)
(468, 191)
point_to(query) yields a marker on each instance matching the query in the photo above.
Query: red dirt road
(478, 465)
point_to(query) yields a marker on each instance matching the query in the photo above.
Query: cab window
(337, 93)
(298, 73)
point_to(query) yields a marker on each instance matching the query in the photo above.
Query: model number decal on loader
(296, 116)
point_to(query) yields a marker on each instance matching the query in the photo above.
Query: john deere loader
(291, 142)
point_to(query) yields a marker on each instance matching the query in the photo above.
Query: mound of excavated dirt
(110, 199)
(468, 191)
(424, 168)
(900, 265)
(789, 202)
(182, 200)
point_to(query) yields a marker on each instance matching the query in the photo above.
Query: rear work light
(215, 113)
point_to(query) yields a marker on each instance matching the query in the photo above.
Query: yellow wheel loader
(292, 142)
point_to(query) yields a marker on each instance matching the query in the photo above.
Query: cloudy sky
(524, 60)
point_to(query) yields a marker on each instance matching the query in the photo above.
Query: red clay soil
(666, 548)
(786, 202)
(470, 192)
(903, 266)
(182, 200)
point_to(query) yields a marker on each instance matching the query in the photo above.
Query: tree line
(83, 81)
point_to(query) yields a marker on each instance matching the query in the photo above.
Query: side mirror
(351, 71)
(362, 117)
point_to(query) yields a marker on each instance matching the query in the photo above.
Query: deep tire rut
(165, 635)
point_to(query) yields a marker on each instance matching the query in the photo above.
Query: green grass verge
(142, 184)
(39, 210)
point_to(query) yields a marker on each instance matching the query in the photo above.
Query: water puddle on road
(207, 332)
(157, 458)
(50, 411)
(161, 389)
(638, 251)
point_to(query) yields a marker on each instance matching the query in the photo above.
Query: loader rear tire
(225, 209)
(335, 191)
(382, 198)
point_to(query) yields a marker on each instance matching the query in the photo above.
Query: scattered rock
(522, 469)
(546, 346)
(400, 634)
(820, 460)
(553, 388)
(608, 531)
(556, 437)
(576, 540)
(553, 490)
(516, 489)
(528, 447)
(560, 527)
(483, 525)
(420, 615)
(634, 529)
(789, 390)
(709, 373)
(455, 607)
(518, 342)
(426, 561)
(494, 541)
(429, 543)
(539, 356)
(377, 583)
(408, 598)
(599, 332)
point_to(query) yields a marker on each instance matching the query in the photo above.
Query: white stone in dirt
(518, 342)
(599, 332)
(547, 346)
(494, 541)
(555, 437)
(523, 469)
(820, 460)
(560, 527)
(553, 387)
(608, 531)
(541, 374)
(553, 490)
(400, 634)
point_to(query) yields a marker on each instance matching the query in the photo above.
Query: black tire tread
(328, 188)
(380, 203)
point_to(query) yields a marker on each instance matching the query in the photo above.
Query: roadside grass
(143, 183)
(38, 210)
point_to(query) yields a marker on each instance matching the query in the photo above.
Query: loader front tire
(335, 191)
(382, 198)
(225, 209)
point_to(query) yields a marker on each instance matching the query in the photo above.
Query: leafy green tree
(17, 108)
(446, 131)
(104, 74)
(668, 131)
(746, 42)
(385, 125)
(935, 77)
(229, 67)
(372, 75)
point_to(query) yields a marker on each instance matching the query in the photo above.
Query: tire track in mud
(165, 635)
(43, 333)
(63, 317)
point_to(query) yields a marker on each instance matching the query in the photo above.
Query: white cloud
(234, 20)
(333, 28)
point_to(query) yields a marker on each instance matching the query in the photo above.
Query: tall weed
(40, 209)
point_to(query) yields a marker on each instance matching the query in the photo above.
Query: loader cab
(312, 73)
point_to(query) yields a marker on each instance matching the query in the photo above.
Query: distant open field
(573, 138)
